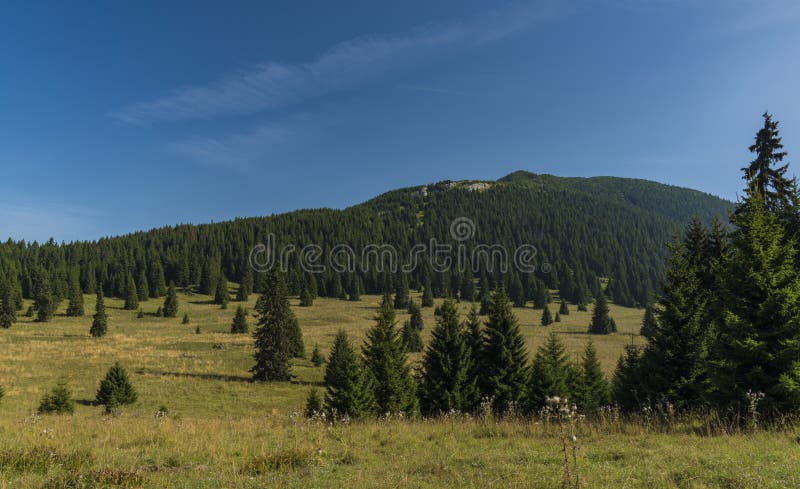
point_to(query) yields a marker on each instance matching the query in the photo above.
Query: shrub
(316, 357)
(313, 403)
(57, 401)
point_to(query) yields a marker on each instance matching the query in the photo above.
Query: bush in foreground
(57, 401)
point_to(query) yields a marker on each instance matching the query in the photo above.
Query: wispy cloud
(343, 66)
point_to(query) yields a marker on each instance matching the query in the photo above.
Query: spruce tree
(348, 388)
(676, 355)
(142, 287)
(410, 337)
(8, 309)
(648, 323)
(563, 309)
(504, 356)
(628, 389)
(275, 333)
(116, 387)
(100, 321)
(356, 290)
(75, 307)
(306, 299)
(547, 319)
(131, 294)
(557, 319)
(416, 316)
(185, 319)
(313, 403)
(316, 357)
(170, 309)
(427, 294)
(246, 287)
(548, 373)
(239, 324)
(601, 321)
(385, 358)
(593, 391)
(157, 284)
(222, 296)
(57, 401)
(401, 297)
(447, 384)
(43, 301)
(758, 345)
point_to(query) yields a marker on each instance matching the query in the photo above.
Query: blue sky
(154, 113)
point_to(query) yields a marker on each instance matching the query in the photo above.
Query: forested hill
(583, 229)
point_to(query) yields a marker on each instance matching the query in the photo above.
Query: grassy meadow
(221, 430)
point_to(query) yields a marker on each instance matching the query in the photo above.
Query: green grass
(224, 431)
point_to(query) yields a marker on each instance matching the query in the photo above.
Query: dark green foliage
(627, 387)
(548, 373)
(313, 403)
(157, 283)
(385, 358)
(582, 307)
(563, 309)
(601, 321)
(246, 287)
(222, 295)
(416, 316)
(593, 391)
(116, 388)
(547, 319)
(410, 337)
(648, 323)
(43, 300)
(57, 401)
(504, 356)
(276, 333)
(348, 388)
(239, 324)
(447, 383)
(676, 356)
(170, 309)
(160, 312)
(765, 175)
(316, 357)
(75, 307)
(100, 320)
(401, 297)
(306, 299)
(197, 329)
(758, 345)
(8, 309)
(131, 294)
(142, 287)
(185, 319)
(427, 294)
(356, 290)
(557, 319)
(516, 292)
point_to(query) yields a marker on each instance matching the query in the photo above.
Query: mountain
(578, 232)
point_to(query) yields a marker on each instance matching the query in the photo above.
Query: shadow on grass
(86, 402)
(226, 378)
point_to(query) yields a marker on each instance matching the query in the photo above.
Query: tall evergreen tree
(306, 299)
(427, 294)
(593, 391)
(43, 300)
(504, 356)
(142, 287)
(758, 345)
(416, 316)
(348, 388)
(157, 284)
(648, 323)
(548, 373)
(131, 294)
(246, 287)
(473, 334)
(75, 307)
(8, 308)
(602, 323)
(170, 309)
(401, 296)
(100, 321)
(239, 324)
(410, 337)
(563, 309)
(357, 289)
(628, 390)
(275, 341)
(222, 295)
(446, 382)
(547, 319)
(385, 358)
